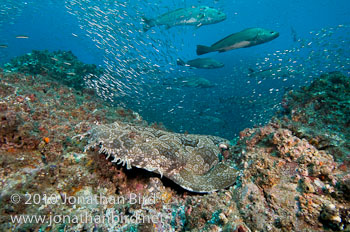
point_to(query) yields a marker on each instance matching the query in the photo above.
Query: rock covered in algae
(191, 161)
(62, 66)
(324, 102)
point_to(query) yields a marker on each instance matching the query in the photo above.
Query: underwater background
(141, 66)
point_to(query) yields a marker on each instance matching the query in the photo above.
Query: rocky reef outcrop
(62, 66)
(320, 114)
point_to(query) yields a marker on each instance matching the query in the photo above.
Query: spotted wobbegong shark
(189, 160)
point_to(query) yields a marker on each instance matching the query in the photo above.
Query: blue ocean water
(141, 66)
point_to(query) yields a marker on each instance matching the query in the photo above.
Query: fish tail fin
(180, 62)
(148, 23)
(201, 49)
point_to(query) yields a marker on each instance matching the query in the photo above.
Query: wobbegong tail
(201, 49)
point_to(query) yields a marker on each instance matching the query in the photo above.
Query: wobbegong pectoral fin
(219, 177)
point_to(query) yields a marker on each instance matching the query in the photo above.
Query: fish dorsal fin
(171, 12)
(180, 9)
(222, 40)
(240, 36)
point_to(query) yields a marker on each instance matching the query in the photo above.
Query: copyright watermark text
(86, 218)
(97, 199)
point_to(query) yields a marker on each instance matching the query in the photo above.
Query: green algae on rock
(189, 160)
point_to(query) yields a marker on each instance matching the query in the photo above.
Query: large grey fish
(195, 16)
(243, 39)
(205, 63)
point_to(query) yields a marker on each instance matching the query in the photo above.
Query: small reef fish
(193, 82)
(205, 63)
(211, 119)
(243, 39)
(3, 46)
(22, 37)
(294, 34)
(195, 16)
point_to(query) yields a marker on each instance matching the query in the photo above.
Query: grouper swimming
(243, 39)
(205, 63)
(195, 16)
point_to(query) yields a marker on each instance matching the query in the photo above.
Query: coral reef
(283, 178)
(33, 107)
(287, 182)
(295, 169)
(189, 160)
(60, 65)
